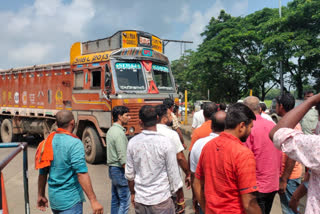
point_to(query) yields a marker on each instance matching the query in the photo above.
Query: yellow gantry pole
(185, 107)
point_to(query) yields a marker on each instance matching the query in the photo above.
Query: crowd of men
(239, 159)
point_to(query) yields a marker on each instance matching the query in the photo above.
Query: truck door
(95, 79)
(88, 84)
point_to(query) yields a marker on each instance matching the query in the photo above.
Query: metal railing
(19, 147)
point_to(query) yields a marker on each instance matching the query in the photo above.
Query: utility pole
(185, 107)
(166, 41)
(281, 72)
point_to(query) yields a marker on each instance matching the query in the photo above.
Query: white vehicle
(197, 104)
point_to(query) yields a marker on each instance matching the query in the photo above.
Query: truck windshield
(162, 78)
(130, 76)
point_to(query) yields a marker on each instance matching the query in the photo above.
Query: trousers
(120, 201)
(165, 207)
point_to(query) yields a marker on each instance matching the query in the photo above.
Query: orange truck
(128, 68)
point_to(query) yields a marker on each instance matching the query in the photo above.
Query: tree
(185, 76)
(243, 53)
(233, 48)
(213, 59)
(293, 40)
(273, 93)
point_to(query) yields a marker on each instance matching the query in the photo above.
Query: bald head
(218, 121)
(253, 103)
(64, 117)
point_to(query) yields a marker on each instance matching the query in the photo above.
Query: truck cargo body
(90, 85)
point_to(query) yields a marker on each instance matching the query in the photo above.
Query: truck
(128, 68)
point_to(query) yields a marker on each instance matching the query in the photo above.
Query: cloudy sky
(42, 31)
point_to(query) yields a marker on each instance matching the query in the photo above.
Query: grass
(268, 103)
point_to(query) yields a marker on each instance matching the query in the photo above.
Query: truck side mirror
(107, 81)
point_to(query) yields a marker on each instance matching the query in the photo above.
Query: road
(98, 173)
(14, 184)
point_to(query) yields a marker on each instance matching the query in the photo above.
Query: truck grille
(134, 114)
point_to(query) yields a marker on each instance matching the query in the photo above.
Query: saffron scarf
(44, 153)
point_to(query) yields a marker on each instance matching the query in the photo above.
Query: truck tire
(53, 128)
(7, 131)
(94, 151)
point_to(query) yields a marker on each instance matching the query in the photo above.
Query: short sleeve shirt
(68, 160)
(152, 164)
(173, 135)
(228, 169)
(196, 150)
(175, 122)
(117, 143)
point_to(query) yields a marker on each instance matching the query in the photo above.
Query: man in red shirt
(204, 130)
(225, 179)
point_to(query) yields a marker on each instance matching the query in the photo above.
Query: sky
(42, 31)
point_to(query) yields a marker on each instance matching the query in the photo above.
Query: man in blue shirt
(68, 172)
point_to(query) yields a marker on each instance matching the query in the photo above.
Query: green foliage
(268, 103)
(273, 93)
(243, 53)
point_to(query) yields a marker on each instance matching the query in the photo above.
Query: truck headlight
(131, 130)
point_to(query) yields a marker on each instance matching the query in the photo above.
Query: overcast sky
(42, 31)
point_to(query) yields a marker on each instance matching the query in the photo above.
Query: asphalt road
(99, 175)
(14, 184)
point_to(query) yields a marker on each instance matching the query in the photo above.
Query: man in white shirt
(164, 121)
(263, 114)
(198, 118)
(175, 122)
(152, 169)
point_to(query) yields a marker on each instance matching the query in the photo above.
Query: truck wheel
(94, 151)
(7, 131)
(53, 128)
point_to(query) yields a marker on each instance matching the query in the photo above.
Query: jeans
(120, 201)
(200, 211)
(76, 209)
(292, 185)
(265, 201)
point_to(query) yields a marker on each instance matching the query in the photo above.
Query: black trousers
(265, 201)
